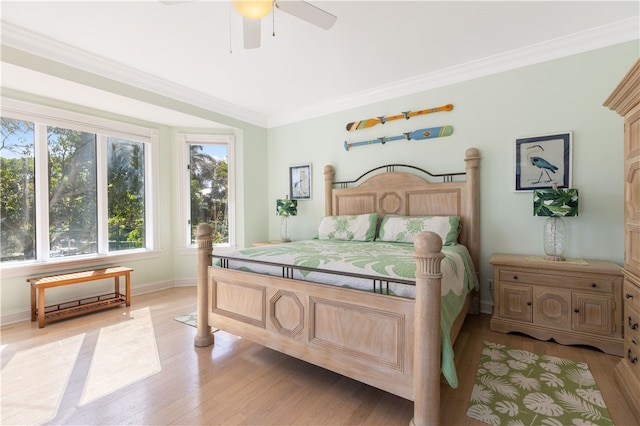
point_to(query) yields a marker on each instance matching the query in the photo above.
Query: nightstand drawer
(604, 285)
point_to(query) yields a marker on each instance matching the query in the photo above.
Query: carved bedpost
(472, 161)
(328, 187)
(204, 235)
(426, 367)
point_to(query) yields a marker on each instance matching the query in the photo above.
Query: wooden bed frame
(391, 343)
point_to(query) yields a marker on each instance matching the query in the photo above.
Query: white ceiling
(192, 51)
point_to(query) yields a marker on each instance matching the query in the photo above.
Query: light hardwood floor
(238, 382)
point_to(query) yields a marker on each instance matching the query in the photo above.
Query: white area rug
(125, 353)
(34, 381)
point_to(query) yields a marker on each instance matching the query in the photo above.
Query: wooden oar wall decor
(370, 122)
(429, 133)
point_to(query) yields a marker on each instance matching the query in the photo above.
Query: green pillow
(403, 229)
(349, 228)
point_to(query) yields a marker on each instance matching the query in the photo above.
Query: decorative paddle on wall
(430, 133)
(370, 122)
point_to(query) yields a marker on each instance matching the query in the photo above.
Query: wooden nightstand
(573, 302)
(268, 243)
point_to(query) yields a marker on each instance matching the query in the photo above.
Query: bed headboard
(407, 194)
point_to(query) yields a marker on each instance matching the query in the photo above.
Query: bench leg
(33, 303)
(117, 289)
(128, 288)
(41, 307)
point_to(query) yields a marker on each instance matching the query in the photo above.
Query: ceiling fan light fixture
(253, 9)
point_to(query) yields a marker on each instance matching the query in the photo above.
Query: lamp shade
(555, 202)
(253, 9)
(286, 207)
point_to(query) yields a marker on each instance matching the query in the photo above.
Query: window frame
(43, 116)
(184, 214)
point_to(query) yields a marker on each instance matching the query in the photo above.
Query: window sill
(22, 269)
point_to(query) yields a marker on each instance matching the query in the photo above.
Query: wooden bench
(80, 306)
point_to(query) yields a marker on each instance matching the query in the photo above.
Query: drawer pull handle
(515, 277)
(628, 296)
(633, 325)
(634, 359)
(594, 285)
(528, 303)
(576, 311)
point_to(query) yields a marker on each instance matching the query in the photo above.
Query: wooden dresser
(574, 303)
(625, 100)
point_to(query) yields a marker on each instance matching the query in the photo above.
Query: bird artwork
(539, 162)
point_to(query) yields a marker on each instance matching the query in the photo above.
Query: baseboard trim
(25, 314)
(486, 306)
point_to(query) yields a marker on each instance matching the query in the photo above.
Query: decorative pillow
(403, 229)
(353, 228)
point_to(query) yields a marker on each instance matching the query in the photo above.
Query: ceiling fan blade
(251, 30)
(307, 12)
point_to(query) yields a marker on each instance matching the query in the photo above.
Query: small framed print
(542, 162)
(300, 182)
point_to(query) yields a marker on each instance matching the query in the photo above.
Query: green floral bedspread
(381, 259)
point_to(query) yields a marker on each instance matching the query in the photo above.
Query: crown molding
(36, 44)
(592, 39)
(595, 38)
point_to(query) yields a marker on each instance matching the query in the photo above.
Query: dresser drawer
(632, 340)
(632, 323)
(631, 294)
(600, 284)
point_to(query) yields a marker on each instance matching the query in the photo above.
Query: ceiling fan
(253, 11)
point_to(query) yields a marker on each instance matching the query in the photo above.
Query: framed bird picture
(300, 182)
(543, 162)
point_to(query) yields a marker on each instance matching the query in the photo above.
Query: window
(208, 182)
(17, 189)
(73, 186)
(125, 190)
(72, 198)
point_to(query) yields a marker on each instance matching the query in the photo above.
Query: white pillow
(351, 228)
(403, 229)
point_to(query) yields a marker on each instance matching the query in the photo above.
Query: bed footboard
(391, 343)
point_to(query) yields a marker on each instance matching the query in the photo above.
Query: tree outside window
(209, 190)
(68, 211)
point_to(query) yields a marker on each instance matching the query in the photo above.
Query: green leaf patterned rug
(517, 387)
(189, 319)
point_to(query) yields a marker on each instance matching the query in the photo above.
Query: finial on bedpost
(426, 368)
(204, 236)
(328, 189)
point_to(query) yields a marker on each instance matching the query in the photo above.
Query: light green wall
(489, 114)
